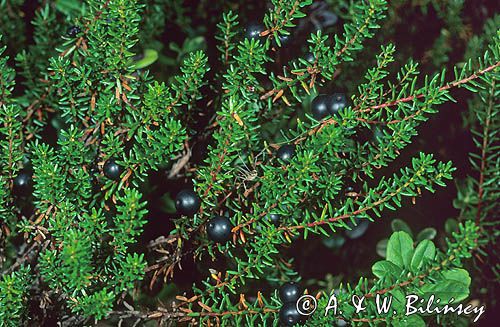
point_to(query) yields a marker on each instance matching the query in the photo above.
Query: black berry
(23, 183)
(321, 106)
(253, 30)
(357, 230)
(27, 209)
(112, 170)
(219, 229)
(73, 31)
(138, 57)
(187, 202)
(290, 292)
(338, 102)
(349, 186)
(321, 16)
(289, 315)
(286, 152)
(378, 135)
(284, 40)
(274, 219)
(309, 57)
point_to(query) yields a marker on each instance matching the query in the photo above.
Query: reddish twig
(484, 145)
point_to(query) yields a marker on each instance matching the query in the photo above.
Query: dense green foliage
(70, 103)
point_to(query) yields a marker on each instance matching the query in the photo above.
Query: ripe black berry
(289, 315)
(284, 40)
(338, 102)
(357, 230)
(253, 30)
(138, 57)
(378, 135)
(73, 31)
(219, 229)
(349, 187)
(23, 184)
(309, 56)
(274, 219)
(321, 106)
(290, 292)
(321, 16)
(112, 170)
(187, 202)
(286, 152)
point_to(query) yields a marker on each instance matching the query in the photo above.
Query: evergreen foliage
(81, 258)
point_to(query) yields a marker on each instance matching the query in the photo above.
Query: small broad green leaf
(425, 250)
(454, 284)
(398, 300)
(384, 268)
(194, 44)
(400, 249)
(335, 241)
(382, 247)
(174, 47)
(451, 225)
(399, 225)
(167, 203)
(150, 56)
(428, 233)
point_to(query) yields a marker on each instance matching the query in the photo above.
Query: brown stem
(443, 88)
(484, 146)
(356, 212)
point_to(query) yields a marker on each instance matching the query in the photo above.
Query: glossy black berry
(357, 230)
(274, 219)
(27, 209)
(187, 202)
(286, 152)
(289, 315)
(219, 229)
(321, 106)
(73, 31)
(253, 30)
(321, 16)
(309, 57)
(350, 186)
(290, 292)
(112, 170)
(338, 102)
(378, 135)
(138, 57)
(23, 184)
(284, 40)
